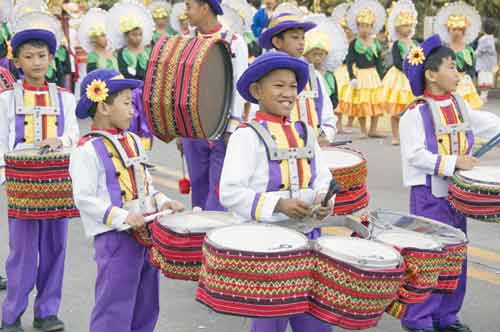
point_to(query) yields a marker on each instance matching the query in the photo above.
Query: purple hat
(414, 63)
(280, 23)
(24, 36)
(265, 64)
(216, 7)
(97, 85)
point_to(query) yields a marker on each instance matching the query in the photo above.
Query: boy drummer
(268, 190)
(286, 33)
(112, 188)
(37, 247)
(429, 156)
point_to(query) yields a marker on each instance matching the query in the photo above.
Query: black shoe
(455, 327)
(15, 327)
(3, 283)
(49, 324)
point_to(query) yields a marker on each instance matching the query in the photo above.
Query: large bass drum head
(216, 88)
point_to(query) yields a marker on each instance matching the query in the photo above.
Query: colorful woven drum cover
(143, 236)
(476, 193)
(39, 186)
(256, 271)
(178, 240)
(349, 169)
(355, 280)
(424, 259)
(188, 88)
(6, 79)
(452, 239)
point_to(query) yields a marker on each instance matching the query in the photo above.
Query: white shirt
(328, 121)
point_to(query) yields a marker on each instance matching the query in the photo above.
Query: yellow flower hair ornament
(97, 91)
(366, 16)
(97, 30)
(159, 13)
(129, 23)
(416, 56)
(457, 22)
(405, 18)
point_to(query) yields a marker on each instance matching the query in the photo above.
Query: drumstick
(487, 147)
(332, 190)
(339, 143)
(148, 219)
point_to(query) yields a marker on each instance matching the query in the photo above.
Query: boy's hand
(466, 162)
(135, 220)
(173, 205)
(323, 212)
(323, 141)
(52, 143)
(293, 208)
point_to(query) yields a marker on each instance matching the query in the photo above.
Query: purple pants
(204, 162)
(36, 257)
(439, 310)
(298, 323)
(127, 286)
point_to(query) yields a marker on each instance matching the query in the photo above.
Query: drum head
(404, 239)
(257, 239)
(215, 90)
(36, 153)
(340, 158)
(441, 232)
(361, 253)
(484, 175)
(199, 222)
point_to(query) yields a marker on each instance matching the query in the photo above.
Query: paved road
(179, 311)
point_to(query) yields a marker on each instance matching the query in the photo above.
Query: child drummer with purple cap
(437, 136)
(113, 189)
(258, 186)
(286, 33)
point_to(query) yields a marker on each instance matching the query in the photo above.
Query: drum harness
(36, 111)
(308, 94)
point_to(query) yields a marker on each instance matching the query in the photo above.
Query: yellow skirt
(367, 96)
(344, 90)
(396, 91)
(467, 90)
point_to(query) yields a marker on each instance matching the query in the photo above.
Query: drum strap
(136, 163)
(308, 94)
(450, 129)
(36, 111)
(291, 154)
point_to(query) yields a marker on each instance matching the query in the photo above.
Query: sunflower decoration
(416, 56)
(97, 91)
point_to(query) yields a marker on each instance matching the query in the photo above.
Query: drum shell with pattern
(349, 168)
(188, 88)
(256, 283)
(476, 193)
(352, 292)
(6, 79)
(39, 186)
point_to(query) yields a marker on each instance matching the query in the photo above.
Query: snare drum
(39, 186)
(188, 88)
(424, 258)
(476, 193)
(178, 240)
(348, 167)
(256, 270)
(453, 240)
(354, 281)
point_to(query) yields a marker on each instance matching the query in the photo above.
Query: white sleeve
(239, 165)
(328, 117)
(71, 130)
(324, 176)
(240, 64)
(484, 124)
(414, 150)
(4, 133)
(94, 207)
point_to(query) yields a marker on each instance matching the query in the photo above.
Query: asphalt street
(181, 313)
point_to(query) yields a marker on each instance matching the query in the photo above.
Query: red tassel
(184, 183)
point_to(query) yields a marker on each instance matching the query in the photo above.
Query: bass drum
(188, 88)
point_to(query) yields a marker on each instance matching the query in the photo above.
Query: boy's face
(134, 37)
(161, 23)
(276, 92)
(292, 42)
(121, 110)
(364, 29)
(270, 4)
(196, 11)
(34, 61)
(447, 77)
(101, 41)
(316, 57)
(404, 30)
(456, 34)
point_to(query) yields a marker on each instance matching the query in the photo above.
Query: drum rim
(463, 237)
(440, 247)
(459, 174)
(321, 248)
(207, 213)
(348, 150)
(62, 152)
(218, 247)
